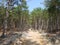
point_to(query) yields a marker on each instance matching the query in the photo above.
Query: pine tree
(53, 7)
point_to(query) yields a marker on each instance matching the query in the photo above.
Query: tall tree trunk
(5, 24)
(5, 21)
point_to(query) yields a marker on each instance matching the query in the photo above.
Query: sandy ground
(31, 37)
(36, 38)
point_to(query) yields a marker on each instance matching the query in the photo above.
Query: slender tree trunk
(37, 24)
(5, 21)
(5, 24)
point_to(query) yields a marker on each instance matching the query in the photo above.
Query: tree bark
(5, 24)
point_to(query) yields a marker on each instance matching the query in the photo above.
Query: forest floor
(31, 37)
